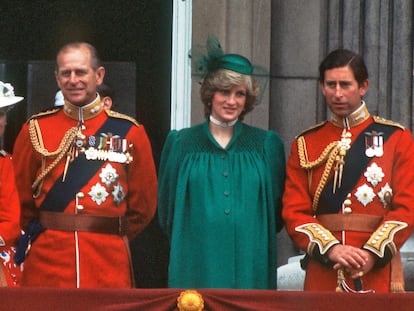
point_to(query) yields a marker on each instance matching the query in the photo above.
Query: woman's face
(227, 105)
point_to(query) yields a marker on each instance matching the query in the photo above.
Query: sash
(355, 164)
(80, 171)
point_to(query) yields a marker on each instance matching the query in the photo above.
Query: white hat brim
(9, 100)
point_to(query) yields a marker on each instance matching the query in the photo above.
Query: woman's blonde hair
(223, 79)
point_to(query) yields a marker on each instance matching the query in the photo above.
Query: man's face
(76, 77)
(341, 90)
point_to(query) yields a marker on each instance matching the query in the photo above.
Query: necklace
(222, 124)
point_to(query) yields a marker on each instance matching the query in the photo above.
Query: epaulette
(314, 127)
(44, 113)
(387, 122)
(114, 114)
(3, 153)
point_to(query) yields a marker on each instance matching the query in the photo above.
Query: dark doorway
(136, 31)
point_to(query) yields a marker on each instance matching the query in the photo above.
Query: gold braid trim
(304, 162)
(37, 142)
(118, 115)
(328, 155)
(318, 235)
(383, 238)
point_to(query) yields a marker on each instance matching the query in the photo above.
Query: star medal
(365, 194)
(374, 174)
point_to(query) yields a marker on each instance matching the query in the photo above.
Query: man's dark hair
(341, 58)
(105, 90)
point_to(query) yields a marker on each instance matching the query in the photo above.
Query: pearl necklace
(222, 124)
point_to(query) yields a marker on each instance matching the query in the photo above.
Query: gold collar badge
(85, 112)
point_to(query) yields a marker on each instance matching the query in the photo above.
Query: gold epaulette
(387, 122)
(314, 127)
(44, 113)
(114, 114)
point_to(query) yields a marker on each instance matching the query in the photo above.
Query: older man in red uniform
(86, 180)
(349, 190)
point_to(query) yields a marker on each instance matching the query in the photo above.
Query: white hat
(7, 97)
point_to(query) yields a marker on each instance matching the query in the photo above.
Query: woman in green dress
(220, 188)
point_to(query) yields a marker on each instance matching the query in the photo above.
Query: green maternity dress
(220, 207)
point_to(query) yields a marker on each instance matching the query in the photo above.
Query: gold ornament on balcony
(190, 300)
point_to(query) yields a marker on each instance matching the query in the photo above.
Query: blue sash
(355, 164)
(80, 171)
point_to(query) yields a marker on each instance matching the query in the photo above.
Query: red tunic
(85, 259)
(9, 220)
(397, 165)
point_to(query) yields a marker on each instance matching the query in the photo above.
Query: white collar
(222, 124)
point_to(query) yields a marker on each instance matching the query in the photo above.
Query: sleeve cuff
(382, 239)
(318, 235)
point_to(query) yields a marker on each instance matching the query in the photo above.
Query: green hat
(235, 62)
(202, 63)
(216, 59)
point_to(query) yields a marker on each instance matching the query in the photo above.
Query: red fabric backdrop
(34, 299)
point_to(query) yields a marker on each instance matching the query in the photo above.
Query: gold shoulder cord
(328, 155)
(118, 115)
(37, 142)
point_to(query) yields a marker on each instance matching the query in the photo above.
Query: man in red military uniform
(349, 196)
(9, 200)
(86, 180)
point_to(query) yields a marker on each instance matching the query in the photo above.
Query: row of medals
(105, 147)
